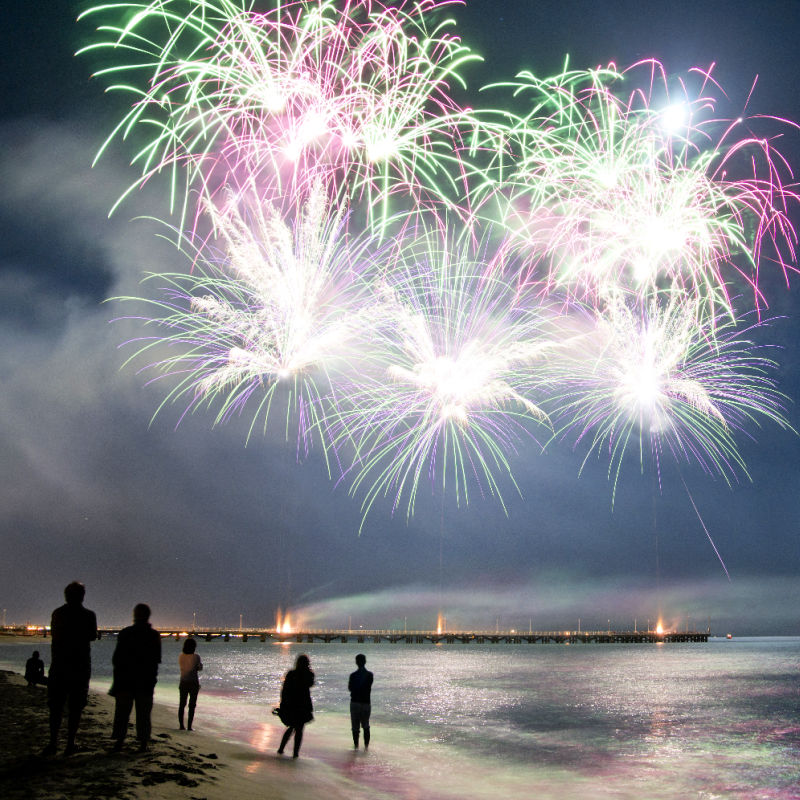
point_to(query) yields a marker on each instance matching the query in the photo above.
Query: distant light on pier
(286, 634)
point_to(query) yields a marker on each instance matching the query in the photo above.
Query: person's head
(74, 593)
(302, 662)
(361, 659)
(35, 654)
(141, 612)
(189, 646)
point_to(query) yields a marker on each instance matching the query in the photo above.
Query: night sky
(190, 520)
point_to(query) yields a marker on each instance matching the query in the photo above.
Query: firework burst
(274, 315)
(650, 377)
(633, 193)
(353, 92)
(447, 388)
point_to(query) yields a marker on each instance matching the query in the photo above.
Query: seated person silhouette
(34, 670)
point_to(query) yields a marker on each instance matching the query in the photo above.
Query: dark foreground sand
(93, 772)
(178, 766)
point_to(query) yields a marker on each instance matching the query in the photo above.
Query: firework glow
(354, 92)
(427, 289)
(636, 194)
(658, 380)
(446, 386)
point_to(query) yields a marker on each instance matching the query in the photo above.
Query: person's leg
(366, 708)
(74, 711)
(144, 708)
(354, 722)
(183, 692)
(298, 738)
(192, 704)
(76, 702)
(285, 739)
(122, 712)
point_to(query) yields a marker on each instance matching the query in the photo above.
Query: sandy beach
(179, 764)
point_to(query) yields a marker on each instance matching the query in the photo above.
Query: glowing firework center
(400, 262)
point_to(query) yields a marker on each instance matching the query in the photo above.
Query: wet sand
(179, 764)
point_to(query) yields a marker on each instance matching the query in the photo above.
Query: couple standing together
(136, 658)
(296, 708)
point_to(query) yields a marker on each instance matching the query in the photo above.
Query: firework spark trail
(705, 529)
(277, 313)
(657, 379)
(612, 193)
(447, 387)
(357, 91)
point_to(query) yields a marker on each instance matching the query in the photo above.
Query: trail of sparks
(355, 93)
(446, 388)
(578, 262)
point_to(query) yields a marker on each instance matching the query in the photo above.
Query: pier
(311, 636)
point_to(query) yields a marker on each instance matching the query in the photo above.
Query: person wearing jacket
(296, 708)
(136, 659)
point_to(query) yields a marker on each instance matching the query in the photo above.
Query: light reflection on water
(716, 720)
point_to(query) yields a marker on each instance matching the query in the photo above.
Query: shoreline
(179, 765)
(666, 724)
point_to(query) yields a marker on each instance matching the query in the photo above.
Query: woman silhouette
(296, 709)
(189, 686)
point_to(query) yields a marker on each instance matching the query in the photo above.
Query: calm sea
(715, 720)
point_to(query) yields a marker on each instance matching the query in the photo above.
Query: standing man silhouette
(136, 659)
(359, 686)
(72, 629)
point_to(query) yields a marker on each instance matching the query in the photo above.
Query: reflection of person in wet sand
(34, 670)
(189, 686)
(136, 659)
(296, 709)
(72, 629)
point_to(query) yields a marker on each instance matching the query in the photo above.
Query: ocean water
(713, 720)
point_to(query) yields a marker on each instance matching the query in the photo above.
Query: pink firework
(636, 193)
(354, 94)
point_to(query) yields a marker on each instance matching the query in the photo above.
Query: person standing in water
(296, 708)
(189, 664)
(359, 686)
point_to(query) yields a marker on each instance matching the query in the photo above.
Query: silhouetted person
(189, 664)
(72, 628)
(136, 659)
(296, 709)
(359, 686)
(34, 670)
